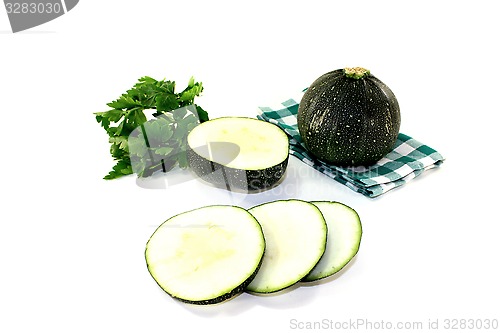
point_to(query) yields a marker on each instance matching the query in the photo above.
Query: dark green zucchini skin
(349, 121)
(236, 179)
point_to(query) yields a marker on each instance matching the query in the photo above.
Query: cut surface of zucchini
(239, 152)
(206, 255)
(295, 233)
(344, 238)
(261, 144)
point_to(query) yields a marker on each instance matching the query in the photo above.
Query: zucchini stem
(356, 72)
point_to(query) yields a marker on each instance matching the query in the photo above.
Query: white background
(72, 244)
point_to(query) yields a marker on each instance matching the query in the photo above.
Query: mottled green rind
(235, 179)
(348, 122)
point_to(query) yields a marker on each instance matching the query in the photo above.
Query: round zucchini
(348, 117)
(238, 153)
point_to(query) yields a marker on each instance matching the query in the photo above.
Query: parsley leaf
(144, 147)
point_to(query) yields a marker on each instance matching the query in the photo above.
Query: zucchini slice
(295, 233)
(238, 153)
(206, 255)
(344, 238)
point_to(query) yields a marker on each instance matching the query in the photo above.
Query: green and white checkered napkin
(407, 160)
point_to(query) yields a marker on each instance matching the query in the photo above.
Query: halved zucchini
(238, 153)
(295, 233)
(206, 255)
(344, 237)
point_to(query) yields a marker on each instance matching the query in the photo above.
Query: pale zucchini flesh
(238, 153)
(261, 144)
(295, 233)
(344, 238)
(206, 255)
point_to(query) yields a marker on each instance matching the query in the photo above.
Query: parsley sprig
(127, 116)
